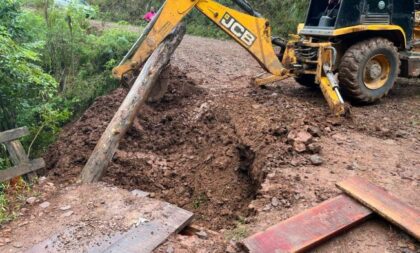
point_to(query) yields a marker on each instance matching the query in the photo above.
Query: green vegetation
(200, 200)
(239, 233)
(284, 15)
(12, 198)
(53, 64)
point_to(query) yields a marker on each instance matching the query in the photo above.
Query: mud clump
(184, 150)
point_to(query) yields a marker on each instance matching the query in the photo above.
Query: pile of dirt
(185, 149)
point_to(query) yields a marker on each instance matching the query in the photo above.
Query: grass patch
(200, 200)
(239, 233)
(12, 198)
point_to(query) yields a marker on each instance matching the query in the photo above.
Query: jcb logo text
(238, 30)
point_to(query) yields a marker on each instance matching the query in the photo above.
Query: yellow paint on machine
(361, 28)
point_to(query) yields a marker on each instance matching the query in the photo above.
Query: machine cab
(325, 16)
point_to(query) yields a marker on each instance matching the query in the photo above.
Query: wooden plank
(21, 169)
(149, 235)
(144, 237)
(388, 206)
(18, 156)
(309, 228)
(13, 134)
(17, 153)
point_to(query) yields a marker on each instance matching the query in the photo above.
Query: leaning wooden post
(123, 119)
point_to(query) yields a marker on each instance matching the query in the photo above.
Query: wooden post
(123, 119)
(18, 156)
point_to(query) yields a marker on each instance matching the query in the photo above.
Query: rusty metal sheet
(386, 205)
(309, 228)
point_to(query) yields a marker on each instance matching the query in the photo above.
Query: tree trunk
(123, 119)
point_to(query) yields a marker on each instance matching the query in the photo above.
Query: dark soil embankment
(184, 149)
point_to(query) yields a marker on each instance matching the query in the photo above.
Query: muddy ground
(242, 158)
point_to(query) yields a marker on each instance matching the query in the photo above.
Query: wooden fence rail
(18, 156)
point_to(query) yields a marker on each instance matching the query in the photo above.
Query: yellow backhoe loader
(354, 47)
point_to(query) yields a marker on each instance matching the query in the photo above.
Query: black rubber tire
(353, 63)
(307, 81)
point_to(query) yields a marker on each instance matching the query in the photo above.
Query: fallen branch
(123, 119)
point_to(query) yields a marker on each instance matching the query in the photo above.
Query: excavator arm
(251, 32)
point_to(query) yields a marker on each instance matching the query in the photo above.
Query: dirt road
(228, 151)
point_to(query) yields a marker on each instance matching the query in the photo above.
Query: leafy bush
(52, 66)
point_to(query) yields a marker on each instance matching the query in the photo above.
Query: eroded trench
(184, 150)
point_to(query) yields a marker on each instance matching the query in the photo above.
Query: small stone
(271, 175)
(389, 141)
(42, 180)
(23, 224)
(65, 208)
(316, 160)
(267, 208)
(294, 162)
(152, 195)
(352, 166)
(31, 200)
(385, 131)
(44, 204)
(299, 147)
(231, 249)
(315, 148)
(301, 136)
(17, 245)
(118, 217)
(401, 133)
(140, 193)
(67, 214)
(202, 234)
(314, 131)
(275, 202)
(328, 129)
(402, 244)
(339, 137)
(170, 249)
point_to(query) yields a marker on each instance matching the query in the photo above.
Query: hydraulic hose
(247, 8)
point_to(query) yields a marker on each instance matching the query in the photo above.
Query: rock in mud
(31, 200)
(401, 133)
(299, 147)
(275, 202)
(67, 214)
(314, 131)
(352, 166)
(202, 235)
(170, 249)
(139, 193)
(316, 160)
(315, 148)
(44, 204)
(17, 245)
(65, 208)
(299, 136)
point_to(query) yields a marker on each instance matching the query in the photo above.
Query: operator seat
(330, 14)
